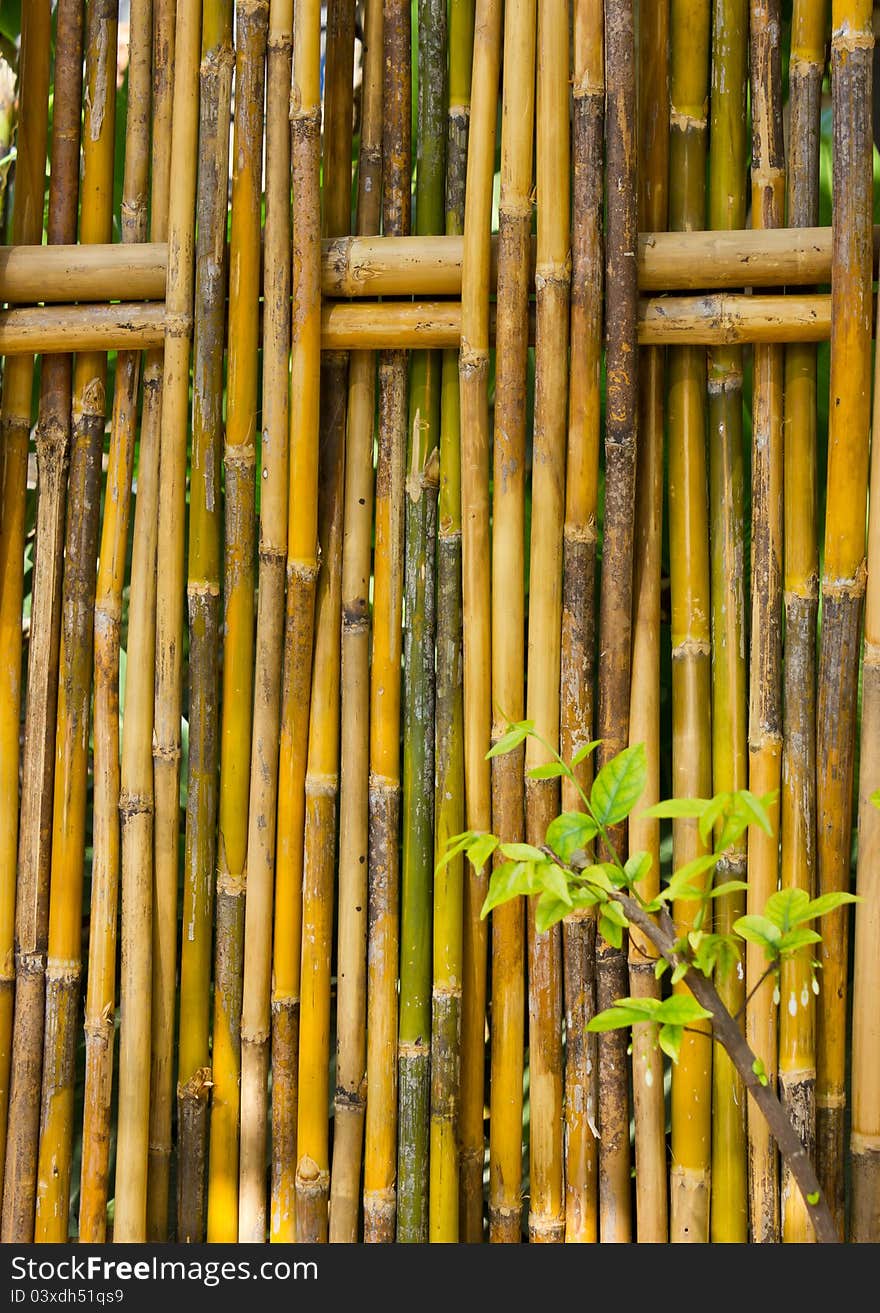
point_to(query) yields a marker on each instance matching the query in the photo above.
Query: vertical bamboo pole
(652, 1210)
(79, 623)
(302, 570)
(727, 209)
(203, 601)
(474, 400)
(252, 950)
(865, 1136)
(420, 535)
(148, 959)
(552, 278)
(508, 607)
(843, 572)
(24, 907)
(765, 721)
(322, 777)
(615, 611)
(797, 1054)
(443, 1215)
(351, 1050)
(100, 1025)
(690, 606)
(380, 1156)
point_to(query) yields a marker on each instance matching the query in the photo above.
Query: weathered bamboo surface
(395, 528)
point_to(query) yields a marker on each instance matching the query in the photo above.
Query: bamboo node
(195, 1090)
(202, 588)
(872, 653)
(553, 273)
(724, 381)
(588, 86)
(134, 804)
(805, 65)
(845, 38)
(831, 1099)
(472, 360)
(97, 1028)
(281, 41)
(309, 1176)
(233, 885)
(580, 533)
(321, 785)
(685, 122)
(864, 1144)
(852, 587)
(168, 752)
(425, 480)
(303, 572)
(239, 455)
(178, 323)
(413, 1049)
(32, 963)
(692, 647)
(548, 1230)
(514, 207)
(62, 971)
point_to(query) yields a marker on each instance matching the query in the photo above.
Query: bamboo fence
(520, 386)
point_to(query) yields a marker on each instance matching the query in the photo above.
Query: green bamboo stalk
(203, 603)
(727, 209)
(420, 536)
(443, 1213)
(23, 923)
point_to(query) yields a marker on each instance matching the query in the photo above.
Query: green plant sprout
(565, 875)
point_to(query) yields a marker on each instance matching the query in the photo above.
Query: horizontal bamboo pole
(427, 266)
(720, 317)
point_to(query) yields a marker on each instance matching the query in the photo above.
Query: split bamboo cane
(380, 1158)
(148, 913)
(52, 440)
(242, 968)
(322, 777)
(727, 209)
(552, 280)
(797, 1052)
(420, 553)
(476, 597)
(449, 811)
(843, 572)
(302, 571)
(652, 1208)
(203, 605)
(765, 711)
(351, 1013)
(508, 609)
(24, 914)
(615, 613)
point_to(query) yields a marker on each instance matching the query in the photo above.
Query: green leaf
(814, 1195)
(619, 785)
(677, 809)
(669, 1039)
(785, 908)
(792, 940)
(761, 931)
(660, 966)
(598, 877)
(681, 1010)
(569, 832)
(551, 771)
(727, 887)
(481, 850)
(583, 896)
(522, 852)
(625, 1012)
(614, 912)
(828, 903)
(512, 739)
(679, 971)
(584, 752)
(637, 867)
(553, 881)
(682, 883)
(509, 880)
(760, 1071)
(716, 807)
(455, 844)
(610, 930)
(754, 809)
(548, 910)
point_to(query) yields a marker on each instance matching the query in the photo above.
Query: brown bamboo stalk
(52, 440)
(690, 610)
(508, 609)
(148, 959)
(302, 570)
(380, 1159)
(843, 574)
(100, 1024)
(322, 776)
(644, 834)
(615, 613)
(23, 903)
(351, 1050)
(797, 1054)
(203, 599)
(476, 599)
(552, 278)
(253, 951)
(727, 208)
(765, 711)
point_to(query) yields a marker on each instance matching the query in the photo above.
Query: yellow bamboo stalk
(508, 608)
(302, 570)
(148, 966)
(765, 727)
(797, 1052)
(351, 1049)
(843, 573)
(474, 380)
(23, 904)
(644, 727)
